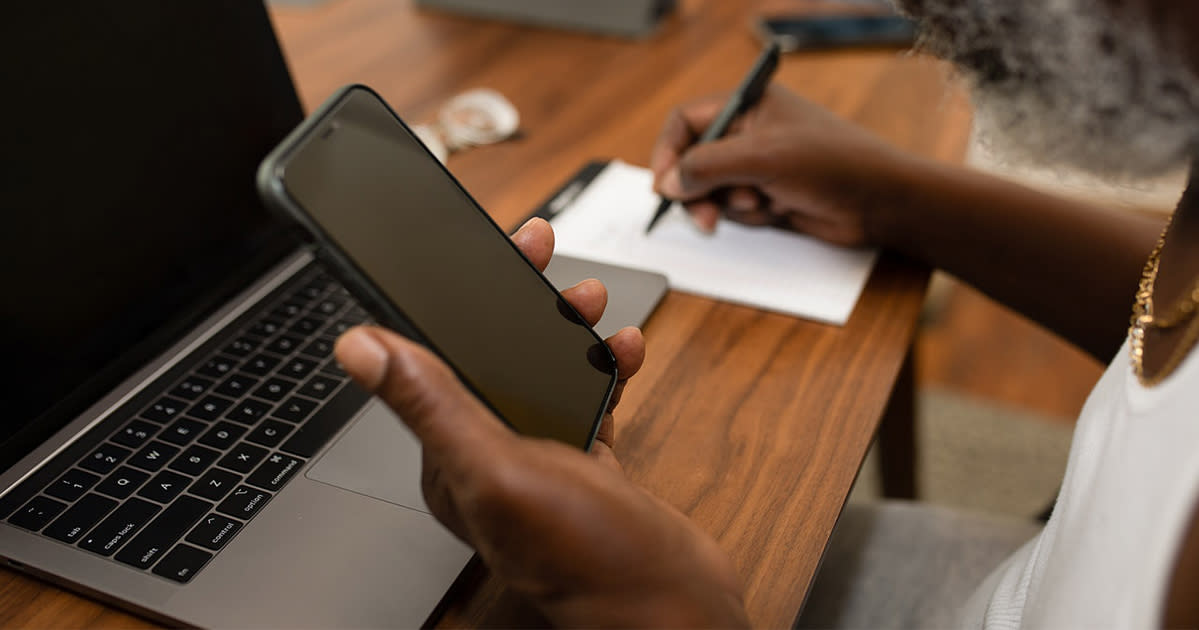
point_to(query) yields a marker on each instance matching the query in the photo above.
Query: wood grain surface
(754, 424)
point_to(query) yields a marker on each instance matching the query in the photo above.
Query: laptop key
(249, 411)
(195, 460)
(333, 369)
(288, 310)
(244, 503)
(183, 430)
(326, 422)
(340, 326)
(164, 410)
(284, 344)
(164, 487)
(307, 325)
(214, 531)
(260, 364)
(210, 407)
(182, 563)
(270, 433)
(266, 327)
(274, 389)
(157, 537)
(318, 349)
(222, 435)
(192, 387)
(242, 347)
(72, 484)
(276, 471)
(319, 387)
(215, 484)
(314, 289)
(154, 456)
(217, 367)
(329, 305)
(36, 513)
(294, 409)
(237, 385)
(243, 458)
(135, 433)
(119, 527)
(105, 458)
(123, 482)
(298, 367)
(79, 518)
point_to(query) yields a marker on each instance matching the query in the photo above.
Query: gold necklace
(1143, 318)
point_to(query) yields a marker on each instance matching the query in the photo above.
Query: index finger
(535, 239)
(683, 126)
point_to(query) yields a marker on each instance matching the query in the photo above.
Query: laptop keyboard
(163, 486)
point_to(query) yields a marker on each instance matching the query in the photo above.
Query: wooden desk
(754, 424)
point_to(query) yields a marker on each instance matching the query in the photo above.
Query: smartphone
(421, 256)
(811, 32)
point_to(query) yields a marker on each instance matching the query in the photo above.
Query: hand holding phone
(422, 257)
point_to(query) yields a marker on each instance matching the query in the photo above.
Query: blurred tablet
(632, 293)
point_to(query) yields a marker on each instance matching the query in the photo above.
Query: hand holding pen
(744, 97)
(787, 163)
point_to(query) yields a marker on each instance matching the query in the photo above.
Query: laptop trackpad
(378, 457)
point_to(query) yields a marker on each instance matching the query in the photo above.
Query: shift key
(160, 535)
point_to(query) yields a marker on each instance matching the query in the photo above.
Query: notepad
(764, 267)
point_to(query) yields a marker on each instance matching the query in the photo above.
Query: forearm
(1071, 267)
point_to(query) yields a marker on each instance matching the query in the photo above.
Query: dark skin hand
(1070, 267)
(763, 172)
(793, 164)
(564, 528)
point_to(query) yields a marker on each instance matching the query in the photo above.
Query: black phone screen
(397, 215)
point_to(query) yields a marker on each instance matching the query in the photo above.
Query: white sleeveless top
(1106, 556)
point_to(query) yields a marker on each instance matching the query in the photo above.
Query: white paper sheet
(763, 267)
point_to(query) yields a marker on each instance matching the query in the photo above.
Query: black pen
(744, 97)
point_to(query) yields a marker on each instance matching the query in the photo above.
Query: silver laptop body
(347, 542)
(142, 262)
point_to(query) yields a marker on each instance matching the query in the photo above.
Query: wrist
(891, 211)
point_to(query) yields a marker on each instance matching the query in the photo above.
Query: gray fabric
(896, 564)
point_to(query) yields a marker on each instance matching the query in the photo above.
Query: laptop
(177, 438)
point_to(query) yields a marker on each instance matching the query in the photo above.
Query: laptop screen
(131, 134)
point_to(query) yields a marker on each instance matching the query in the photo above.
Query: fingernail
(672, 184)
(520, 230)
(532, 221)
(363, 357)
(586, 281)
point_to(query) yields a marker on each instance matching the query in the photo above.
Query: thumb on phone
(420, 388)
